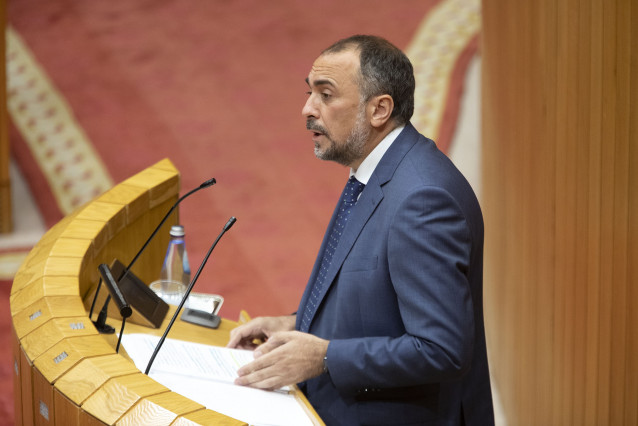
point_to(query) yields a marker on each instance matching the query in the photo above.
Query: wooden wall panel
(560, 198)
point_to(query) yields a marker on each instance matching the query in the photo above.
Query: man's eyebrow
(320, 82)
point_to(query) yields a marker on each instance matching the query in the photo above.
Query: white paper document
(186, 358)
(206, 374)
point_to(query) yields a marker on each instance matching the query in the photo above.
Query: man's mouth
(316, 129)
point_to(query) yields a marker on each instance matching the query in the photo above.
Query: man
(390, 327)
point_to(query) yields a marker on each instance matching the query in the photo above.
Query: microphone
(209, 182)
(114, 290)
(102, 317)
(118, 298)
(228, 225)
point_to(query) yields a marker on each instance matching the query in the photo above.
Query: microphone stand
(228, 225)
(100, 323)
(118, 297)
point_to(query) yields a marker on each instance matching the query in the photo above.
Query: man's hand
(286, 358)
(261, 328)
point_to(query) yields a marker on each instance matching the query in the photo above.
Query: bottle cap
(177, 231)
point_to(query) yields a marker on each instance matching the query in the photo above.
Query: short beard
(345, 153)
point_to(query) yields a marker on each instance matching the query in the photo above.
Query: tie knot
(353, 189)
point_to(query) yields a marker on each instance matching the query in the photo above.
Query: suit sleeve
(428, 259)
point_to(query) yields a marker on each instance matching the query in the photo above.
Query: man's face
(334, 112)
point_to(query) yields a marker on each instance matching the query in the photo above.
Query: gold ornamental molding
(434, 51)
(60, 147)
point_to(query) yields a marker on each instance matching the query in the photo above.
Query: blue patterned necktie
(348, 200)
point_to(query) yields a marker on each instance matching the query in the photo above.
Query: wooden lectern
(66, 373)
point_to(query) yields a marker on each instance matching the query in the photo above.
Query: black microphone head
(209, 182)
(230, 223)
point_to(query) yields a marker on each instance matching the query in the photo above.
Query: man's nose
(309, 109)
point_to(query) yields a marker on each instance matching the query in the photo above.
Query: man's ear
(382, 107)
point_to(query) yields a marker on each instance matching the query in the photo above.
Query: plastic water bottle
(176, 267)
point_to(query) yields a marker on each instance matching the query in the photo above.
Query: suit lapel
(367, 204)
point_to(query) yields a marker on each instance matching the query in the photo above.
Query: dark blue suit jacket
(404, 309)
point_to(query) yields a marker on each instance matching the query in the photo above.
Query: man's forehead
(334, 68)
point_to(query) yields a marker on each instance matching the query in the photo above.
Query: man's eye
(325, 95)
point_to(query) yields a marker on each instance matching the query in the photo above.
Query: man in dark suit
(390, 327)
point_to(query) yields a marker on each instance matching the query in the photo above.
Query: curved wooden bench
(66, 373)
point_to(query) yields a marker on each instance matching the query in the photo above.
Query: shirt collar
(370, 163)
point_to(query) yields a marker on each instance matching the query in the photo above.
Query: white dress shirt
(365, 170)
